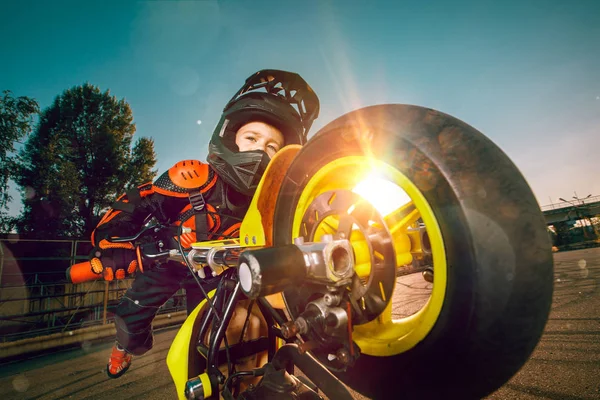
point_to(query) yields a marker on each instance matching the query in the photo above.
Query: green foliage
(16, 117)
(78, 160)
(143, 158)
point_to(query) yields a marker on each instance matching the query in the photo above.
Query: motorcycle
(316, 271)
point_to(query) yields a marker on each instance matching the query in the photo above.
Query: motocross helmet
(279, 98)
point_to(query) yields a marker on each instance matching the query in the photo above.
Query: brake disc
(356, 219)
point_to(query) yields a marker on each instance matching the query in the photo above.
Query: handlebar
(150, 228)
(152, 251)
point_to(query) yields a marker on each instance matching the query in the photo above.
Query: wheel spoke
(345, 226)
(330, 225)
(401, 218)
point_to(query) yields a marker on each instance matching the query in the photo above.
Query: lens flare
(384, 195)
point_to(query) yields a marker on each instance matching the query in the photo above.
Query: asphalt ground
(565, 365)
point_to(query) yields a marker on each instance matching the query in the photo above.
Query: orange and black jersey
(190, 194)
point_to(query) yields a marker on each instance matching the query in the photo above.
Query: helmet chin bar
(241, 170)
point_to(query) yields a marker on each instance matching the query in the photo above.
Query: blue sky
(526, 73)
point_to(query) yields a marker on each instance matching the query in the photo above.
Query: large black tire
(499, 260)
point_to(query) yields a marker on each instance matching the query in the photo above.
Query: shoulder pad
(185, 177)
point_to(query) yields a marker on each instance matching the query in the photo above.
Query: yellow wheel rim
(383, 336)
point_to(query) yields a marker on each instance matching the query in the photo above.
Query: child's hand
(114, 260)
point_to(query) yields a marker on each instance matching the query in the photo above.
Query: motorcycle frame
(256, 231)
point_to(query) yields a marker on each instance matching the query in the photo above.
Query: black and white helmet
(280, 98)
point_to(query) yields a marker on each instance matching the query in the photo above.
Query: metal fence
(571, 203)
(36, 298)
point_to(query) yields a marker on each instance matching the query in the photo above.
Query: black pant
(149, 291)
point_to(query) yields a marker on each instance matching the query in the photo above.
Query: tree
(16, 118)
(142, 160)
(78, 160)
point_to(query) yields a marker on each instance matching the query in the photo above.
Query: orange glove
(115, 260)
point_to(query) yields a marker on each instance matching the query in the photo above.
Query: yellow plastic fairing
(257, 226)
(177, 359)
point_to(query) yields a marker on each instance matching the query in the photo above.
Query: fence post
(1, 262)
(105, 302)
(73, 251)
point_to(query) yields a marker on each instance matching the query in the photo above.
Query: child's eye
(273, 148)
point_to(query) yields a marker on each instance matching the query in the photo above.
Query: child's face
(259, 136)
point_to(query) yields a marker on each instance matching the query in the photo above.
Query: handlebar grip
(82, 272)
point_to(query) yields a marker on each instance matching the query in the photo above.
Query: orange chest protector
(189, 194)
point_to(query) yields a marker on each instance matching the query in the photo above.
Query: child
(273, 109)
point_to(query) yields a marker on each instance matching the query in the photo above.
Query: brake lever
(152, 251)
(124, 239)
